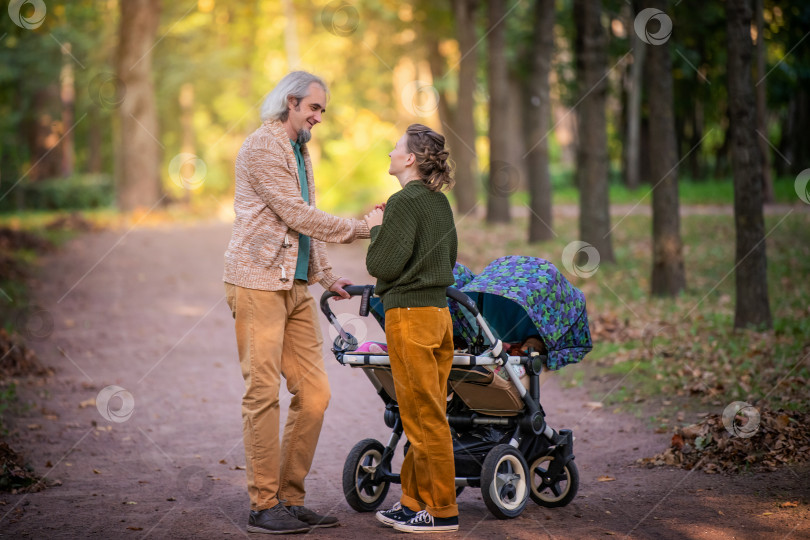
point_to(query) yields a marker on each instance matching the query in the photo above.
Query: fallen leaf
(223, 461)
(129, 502)
(87, 403)
(594, 404)
(789, 504)
(96, 471)
(767, 513)
(171, 499)
(605, 478)
(720, 512)
(134, 528)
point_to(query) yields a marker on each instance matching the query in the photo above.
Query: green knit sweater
(413, 252)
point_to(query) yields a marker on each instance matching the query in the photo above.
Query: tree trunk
(466, 189)
(668, 277)
(67, 95)
(592, 159)
(696, 156)
(515, 136)
(502, 174)
(721, 154)
(94, 160)
(537, 122)
(46, 161)
(632, 146)
(752, 306)
(188, 144)
(139, 154)
(290, 35)
(762, 112)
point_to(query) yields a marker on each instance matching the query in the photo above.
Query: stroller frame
(506, 480)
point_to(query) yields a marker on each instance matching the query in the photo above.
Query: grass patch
(691, 192)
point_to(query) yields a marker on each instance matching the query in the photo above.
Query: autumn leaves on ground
(139, 307)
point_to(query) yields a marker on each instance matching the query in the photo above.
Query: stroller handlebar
(360, 290)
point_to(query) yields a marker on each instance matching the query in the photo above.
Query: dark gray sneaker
(397, 514)
(275, 520)
(312, 519)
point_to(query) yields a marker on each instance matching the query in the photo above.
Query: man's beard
(304, 135)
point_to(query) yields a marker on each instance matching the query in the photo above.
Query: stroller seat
(478, 387)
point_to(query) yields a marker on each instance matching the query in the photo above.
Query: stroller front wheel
(553, 492)
(362, 485)
(504, 485)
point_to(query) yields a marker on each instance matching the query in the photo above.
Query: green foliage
(8, 397)
(231, 53)
(78, 192)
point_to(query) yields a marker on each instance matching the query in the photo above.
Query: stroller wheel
(361, 485)
(504, 485)
(553, 492)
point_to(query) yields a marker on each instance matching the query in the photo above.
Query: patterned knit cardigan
(270, 213)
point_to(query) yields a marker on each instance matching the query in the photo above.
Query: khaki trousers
(420, 347)
(277, 333)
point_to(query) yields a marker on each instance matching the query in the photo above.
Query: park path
(144, 309)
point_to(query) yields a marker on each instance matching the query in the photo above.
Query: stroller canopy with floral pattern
(524, 296)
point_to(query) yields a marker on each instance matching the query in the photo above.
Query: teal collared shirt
(302, 265)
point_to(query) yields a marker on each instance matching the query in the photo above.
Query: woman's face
(400, 157)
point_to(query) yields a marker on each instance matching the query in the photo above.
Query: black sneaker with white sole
(275, 520)
(423, 522)
(397, 514)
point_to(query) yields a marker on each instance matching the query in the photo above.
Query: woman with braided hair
(412, 255)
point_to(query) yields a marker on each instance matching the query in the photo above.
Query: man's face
(306, 113)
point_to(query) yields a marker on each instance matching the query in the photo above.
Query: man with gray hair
(276, 250)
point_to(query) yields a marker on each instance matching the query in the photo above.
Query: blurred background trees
(144, 103)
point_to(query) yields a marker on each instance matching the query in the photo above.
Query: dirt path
(145, 310)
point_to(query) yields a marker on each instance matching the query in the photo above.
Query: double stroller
(501, 441)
